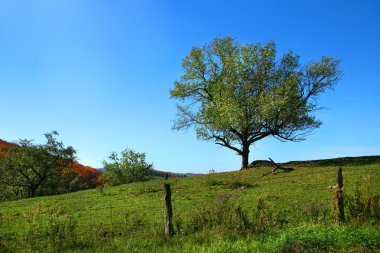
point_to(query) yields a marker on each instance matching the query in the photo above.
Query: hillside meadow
(240, 211)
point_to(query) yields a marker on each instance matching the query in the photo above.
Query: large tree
(32, 169)
(237, 94)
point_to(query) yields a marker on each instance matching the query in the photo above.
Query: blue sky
(99, 72)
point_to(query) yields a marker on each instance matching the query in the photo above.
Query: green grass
(130, 217)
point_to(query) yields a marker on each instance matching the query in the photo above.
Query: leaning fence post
(339, 195)
(169, 231)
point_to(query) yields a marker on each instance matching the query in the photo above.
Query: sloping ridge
(340, 161)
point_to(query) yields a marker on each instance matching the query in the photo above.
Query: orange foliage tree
(72, 177)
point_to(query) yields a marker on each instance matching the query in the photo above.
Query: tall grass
(219, 212)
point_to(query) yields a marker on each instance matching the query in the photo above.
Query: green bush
(130, 167)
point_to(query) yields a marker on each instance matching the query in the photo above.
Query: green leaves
(30, 170)
(243, 93)
(129, 167)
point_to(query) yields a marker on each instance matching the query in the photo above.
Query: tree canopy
(29, 170)
(236, 95)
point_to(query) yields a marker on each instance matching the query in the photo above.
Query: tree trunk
(245, 157)
(32, 191)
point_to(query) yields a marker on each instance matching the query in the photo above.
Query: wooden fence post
(169, 231)
(339, 195)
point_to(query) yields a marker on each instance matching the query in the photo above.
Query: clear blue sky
(99, 72)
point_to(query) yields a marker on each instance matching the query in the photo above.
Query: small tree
(238, 94)
(29, 169)
(130, 167)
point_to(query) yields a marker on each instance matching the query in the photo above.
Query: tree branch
(226, 144)
(277, 167)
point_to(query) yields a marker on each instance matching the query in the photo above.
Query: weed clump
(316, 213)
(363, 204)
(49, 229)
(227, 216)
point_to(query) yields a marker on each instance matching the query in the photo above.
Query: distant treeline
(163, 174)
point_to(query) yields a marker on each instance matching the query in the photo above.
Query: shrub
(130, 167)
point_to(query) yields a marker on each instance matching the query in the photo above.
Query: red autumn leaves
(89, 177)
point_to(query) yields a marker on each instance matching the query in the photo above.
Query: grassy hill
(240, 211)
